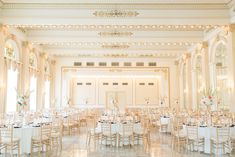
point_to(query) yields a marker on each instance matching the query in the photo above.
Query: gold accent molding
(117, 27)
(115, 34)
(116, 13)
(115, 46)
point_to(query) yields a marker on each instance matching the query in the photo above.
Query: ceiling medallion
(115, 46)
(115, 34)
(116, 13)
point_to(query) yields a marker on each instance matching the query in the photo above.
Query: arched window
(33, 82)
(221, 72)
(11, 53)
(199, 79)
(47, 86)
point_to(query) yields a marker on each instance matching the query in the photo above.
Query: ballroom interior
(117, 78)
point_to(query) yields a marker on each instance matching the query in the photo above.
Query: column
(40, 81)
(188, 81)
(2, 70)
(231, 67)
(25, 77)
(53, 100)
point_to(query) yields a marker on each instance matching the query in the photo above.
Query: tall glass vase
(209, 117)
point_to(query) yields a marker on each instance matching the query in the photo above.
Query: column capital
(176, 62)
(231, 27)
(53, 62)
(204, 44)
(188, 55)
(25, 43)
(43, 55)
(3, 29)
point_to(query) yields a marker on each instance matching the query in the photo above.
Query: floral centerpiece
(208, 98)
(146, 100)
(163, 101)
(68, 101)
(23, 99)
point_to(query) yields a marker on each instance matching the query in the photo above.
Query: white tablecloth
(25, 134)
(208, 133)
(166, 120)
(117, 127)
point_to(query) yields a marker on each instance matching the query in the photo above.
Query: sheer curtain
(33, 95)
(47, 95)
(11, 90)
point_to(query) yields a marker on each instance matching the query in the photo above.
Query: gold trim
(115, 46)
(115, 33)
(117, 27)
(116, 13)
(131, 6)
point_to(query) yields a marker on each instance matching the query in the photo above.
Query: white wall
(161, 89)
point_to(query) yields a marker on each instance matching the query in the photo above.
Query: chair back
(127, 129)
(57, 125)
(222, 133)
(192, 132)
(46, 131)
(91, 122)
(6, 133)
(106, 128)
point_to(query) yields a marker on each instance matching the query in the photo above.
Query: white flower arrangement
(176, 101)
(146, 100)
(68, 100)
(23, 99)
(208, 98)
(163, 100)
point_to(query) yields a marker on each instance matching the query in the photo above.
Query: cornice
(117, 27)
(131, 6)
(118, 55)
(74, 44)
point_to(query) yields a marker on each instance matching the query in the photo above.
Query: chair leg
(18, 149)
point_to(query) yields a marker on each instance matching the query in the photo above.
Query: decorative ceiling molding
(115, 46)
(119, 55)
(119, 27)
(115, 13)
(131, 6)
(115, 33)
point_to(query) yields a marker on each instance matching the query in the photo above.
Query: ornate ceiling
(116, 28)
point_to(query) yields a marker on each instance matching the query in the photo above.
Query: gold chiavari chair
(69, 124)
(143, 133)
(3, 146)
(233, 143)
(107, 134)
(44, 139)
(57, 133)
(221, 140)
(92, 130)
(178, 136)
(8, 141)
(126, 134)
(193, 139)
